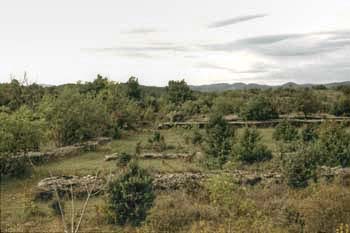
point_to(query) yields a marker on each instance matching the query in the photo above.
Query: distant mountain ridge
(244, 86)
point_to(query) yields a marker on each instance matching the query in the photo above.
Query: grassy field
(20, 214)
(16, 194)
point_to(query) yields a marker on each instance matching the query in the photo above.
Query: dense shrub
(123, 159)
(219, 138)
(309, 133)
(20, 133)
(56, 207)
(308, 102)
(157, 142)
(333, 146)
(249, 149)
(130, 196)
(258, 108)
(197, 137)
(286, 132)
(74, 117)
(178, 92)
(342, 107)
(299, 167)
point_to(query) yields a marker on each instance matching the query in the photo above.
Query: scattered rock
(111, 157)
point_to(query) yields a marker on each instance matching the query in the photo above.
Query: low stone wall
(175, 181)
(240, 123)
(9, 165)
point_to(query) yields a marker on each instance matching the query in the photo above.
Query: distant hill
(242, 86)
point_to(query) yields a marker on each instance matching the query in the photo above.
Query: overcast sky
(201, 41)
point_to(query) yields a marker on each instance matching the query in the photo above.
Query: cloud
(257, 68)
(138, 49)
(141, 31)
(235, 20)
(288, 45)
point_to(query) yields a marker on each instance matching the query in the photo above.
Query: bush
(219, 141)
(286, 132)
(123, 159)
(197, 137)
(55, 207)
(299, 167)
(249, 149)
(258, 108)
(333, 145)
(309, 133)
(20, 133)
(130, 196)
(75, 117)
(342, 107)
(157, 142)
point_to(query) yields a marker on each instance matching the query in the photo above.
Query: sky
(201, 41)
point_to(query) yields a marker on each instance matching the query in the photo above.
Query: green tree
(299, 167)
(249, 149)
(130, 196)
(20, 132)
(286, 132)
(258, 108)
(218, 141)
(178, 92)
(133, 88)
(333, 146)
(75, 117)
(342, 107)
(308, 102)
(309, 133)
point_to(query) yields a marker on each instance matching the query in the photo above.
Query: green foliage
(342, 107)
(307, 102)
(249, 149)
(178, 92)
(20, 132)
(56, 207)
(133, 88)
(309, 133)
(157, 142)
(130, 196)
(225, 193)
(258, 108)
(218, 141)
(123, 159)
(286, 132)
(74, 117)
(299, 167)
(197, 137)
(333, 146)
